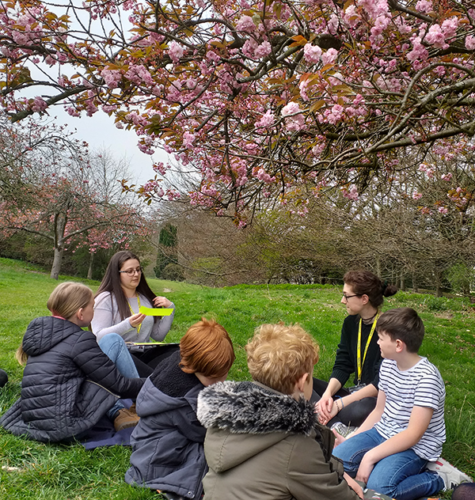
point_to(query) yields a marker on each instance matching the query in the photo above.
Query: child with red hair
(167, 444)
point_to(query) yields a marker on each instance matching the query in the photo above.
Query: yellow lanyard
(360, 365)
(132, 311)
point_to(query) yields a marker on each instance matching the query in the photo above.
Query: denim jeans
(401, 476)
(114, 346)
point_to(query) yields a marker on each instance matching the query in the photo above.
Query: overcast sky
(100, 132)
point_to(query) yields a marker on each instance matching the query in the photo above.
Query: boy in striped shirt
(406, 430)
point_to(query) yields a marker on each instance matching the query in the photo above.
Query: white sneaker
(451, 476)
(342, 429)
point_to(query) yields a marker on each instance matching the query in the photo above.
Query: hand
(338, 438)
(354, 485)
(365, 469)
(323, 419)
(161, 302)
(324, 407)
(136, 320)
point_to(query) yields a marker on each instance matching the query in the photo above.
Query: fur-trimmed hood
(249, 408)
(244, 419)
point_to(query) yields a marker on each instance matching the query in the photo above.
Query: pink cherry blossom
(295, 122)
(470, 42)
(312, 53)
(39, 104)
(329, 56)
(175, 51)
(246, 24)
(263, 50)
(424, 6)
(266, 120)
(416, 195)
(188, 139)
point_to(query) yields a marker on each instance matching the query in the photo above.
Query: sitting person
(406, 430)
(358, 353)
(263, 441)
(168, 442)
(116, 310)
(68, 382)
(3, 378)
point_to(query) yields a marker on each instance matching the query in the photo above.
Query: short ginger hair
(206, 348)
(278, 355)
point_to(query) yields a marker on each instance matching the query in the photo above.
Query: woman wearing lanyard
(122, 292)
(358, 353)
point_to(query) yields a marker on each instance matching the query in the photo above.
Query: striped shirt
(421, 385)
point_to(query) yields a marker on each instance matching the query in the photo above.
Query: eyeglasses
(346, 297)
(131, 272)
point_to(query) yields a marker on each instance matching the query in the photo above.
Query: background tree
(167, 257)
(63, 198)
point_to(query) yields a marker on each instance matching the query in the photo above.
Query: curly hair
(278, 355)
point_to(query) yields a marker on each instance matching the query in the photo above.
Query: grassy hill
(57, 472)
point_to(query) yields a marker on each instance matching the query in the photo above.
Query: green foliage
(167, 254)
(207, 270)
(168, 236)
(173, 272)
(69, 472)
(461, 278)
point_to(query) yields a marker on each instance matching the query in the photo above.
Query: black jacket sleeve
(344, 362)
(97, 366)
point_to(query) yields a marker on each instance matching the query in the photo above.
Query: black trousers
(151, 357)
(354, 415)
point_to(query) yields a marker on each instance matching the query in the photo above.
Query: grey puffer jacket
(68, 383)
(167, 443)
(263, 445)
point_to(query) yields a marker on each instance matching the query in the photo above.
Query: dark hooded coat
(68, 383)
(167, 443)
(264, 445)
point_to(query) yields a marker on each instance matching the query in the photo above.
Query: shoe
(342, 429)
(126, 418)
(170, 496)
(451, 476)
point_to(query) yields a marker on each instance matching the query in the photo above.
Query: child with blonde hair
(263, 440)
(69, 383)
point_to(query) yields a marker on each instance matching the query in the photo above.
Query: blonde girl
(69, 383)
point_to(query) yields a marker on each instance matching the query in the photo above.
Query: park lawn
(59, 472)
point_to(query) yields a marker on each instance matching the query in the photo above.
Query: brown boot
(126, 418)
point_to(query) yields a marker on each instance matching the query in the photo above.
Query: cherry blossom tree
(270, 100)
(66, 199)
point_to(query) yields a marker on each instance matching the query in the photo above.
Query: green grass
(62, 472)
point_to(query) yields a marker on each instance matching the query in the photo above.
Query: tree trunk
(378, 267)
(58, 259)
(415, 288)
(402, 283)
(438, 291)
(60, 221)
(89, 271)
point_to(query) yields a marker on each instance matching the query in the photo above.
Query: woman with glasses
(358, 353)
(122, 292)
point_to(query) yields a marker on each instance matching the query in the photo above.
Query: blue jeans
(114, 346)
(401, 476)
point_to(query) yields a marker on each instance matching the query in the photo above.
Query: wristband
(341, 401)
